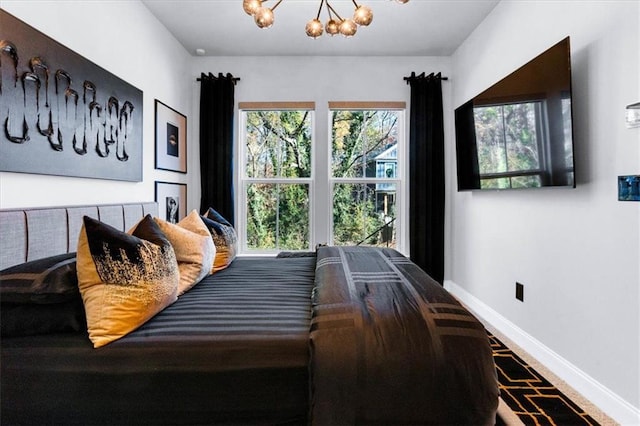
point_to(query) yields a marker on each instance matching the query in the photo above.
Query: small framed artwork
(171, 139)
(172, 201)
(629, 188)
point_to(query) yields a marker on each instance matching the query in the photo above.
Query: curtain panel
(216, 143)
(426, 174)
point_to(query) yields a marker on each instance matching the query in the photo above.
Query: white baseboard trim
(609, 402)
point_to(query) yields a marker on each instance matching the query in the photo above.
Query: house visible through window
(280, 190)
(366, 175)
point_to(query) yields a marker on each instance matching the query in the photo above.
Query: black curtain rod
(413, 75)
(234, 79)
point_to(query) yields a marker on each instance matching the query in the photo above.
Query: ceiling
(417, 28)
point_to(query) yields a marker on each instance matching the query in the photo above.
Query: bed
(342, 335)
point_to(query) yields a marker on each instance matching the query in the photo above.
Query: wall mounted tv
(518, 133)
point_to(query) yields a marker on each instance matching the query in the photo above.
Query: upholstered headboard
(33, 233)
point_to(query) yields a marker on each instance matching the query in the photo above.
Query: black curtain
(426, 174)
(216, 143)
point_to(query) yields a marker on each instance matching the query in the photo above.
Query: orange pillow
(124, 279)
(193, 246)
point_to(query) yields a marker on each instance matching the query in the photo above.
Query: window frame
(321, 182)
(242, 180)
(401, 179)
(542, 141)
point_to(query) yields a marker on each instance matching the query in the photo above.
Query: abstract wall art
(61, 114)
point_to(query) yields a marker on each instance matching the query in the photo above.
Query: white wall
(576, 251)
(126, 40)
(323, 79)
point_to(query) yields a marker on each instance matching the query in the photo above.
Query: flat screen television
(518, 132)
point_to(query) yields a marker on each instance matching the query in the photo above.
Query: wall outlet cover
(520, 292)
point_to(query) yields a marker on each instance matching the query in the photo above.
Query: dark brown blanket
(390, 346)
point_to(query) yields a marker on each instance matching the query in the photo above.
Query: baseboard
(609, 402)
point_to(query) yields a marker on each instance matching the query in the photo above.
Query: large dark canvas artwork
(61, 114)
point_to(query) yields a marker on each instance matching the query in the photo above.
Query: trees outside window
(276, 177)
(365, 176)
(365, 169)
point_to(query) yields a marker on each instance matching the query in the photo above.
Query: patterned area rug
(530, 396)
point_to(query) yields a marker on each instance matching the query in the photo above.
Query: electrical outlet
(520, 292)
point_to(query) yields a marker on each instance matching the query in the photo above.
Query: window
(276, 177)
(353, 188)
(511, 145)
(366, 174)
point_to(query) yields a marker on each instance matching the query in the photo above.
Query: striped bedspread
(253, 298)
(391, 346)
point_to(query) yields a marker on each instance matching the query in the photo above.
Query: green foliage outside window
(360, 212)
(277, 156)
(278, 146)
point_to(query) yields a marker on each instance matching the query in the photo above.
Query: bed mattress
(233, 350)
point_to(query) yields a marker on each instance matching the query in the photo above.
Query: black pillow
(43, 281)
(41, 296)
(225, 239)
(26, 319)
(212, 214)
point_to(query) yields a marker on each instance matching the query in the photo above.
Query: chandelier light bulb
(348, 27)
(332, 27)
(251, 6)
(264, 17)
(363, 15)
(314, 28)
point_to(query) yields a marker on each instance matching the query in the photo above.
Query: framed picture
(171, 139)
(90, 126)
(629, 188)
(172, 201)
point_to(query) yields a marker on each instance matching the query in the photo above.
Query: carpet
(531, 397)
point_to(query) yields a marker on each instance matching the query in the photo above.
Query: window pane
(364, 214)
(361, 140)
(495, 183)
(521, 136)
(278, 144)
(490, 139)
(278, 216)
(525, 182)
(507, 137)
(261, 216)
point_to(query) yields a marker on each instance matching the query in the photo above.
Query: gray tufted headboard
(33, 233)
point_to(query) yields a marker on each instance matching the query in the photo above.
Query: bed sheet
(233, 350)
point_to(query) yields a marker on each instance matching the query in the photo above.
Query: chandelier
(362, 16)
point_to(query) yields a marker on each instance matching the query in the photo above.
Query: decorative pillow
(124, 279)
(225, 239)
(49, 280)
(193, 246)
(214, 215)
